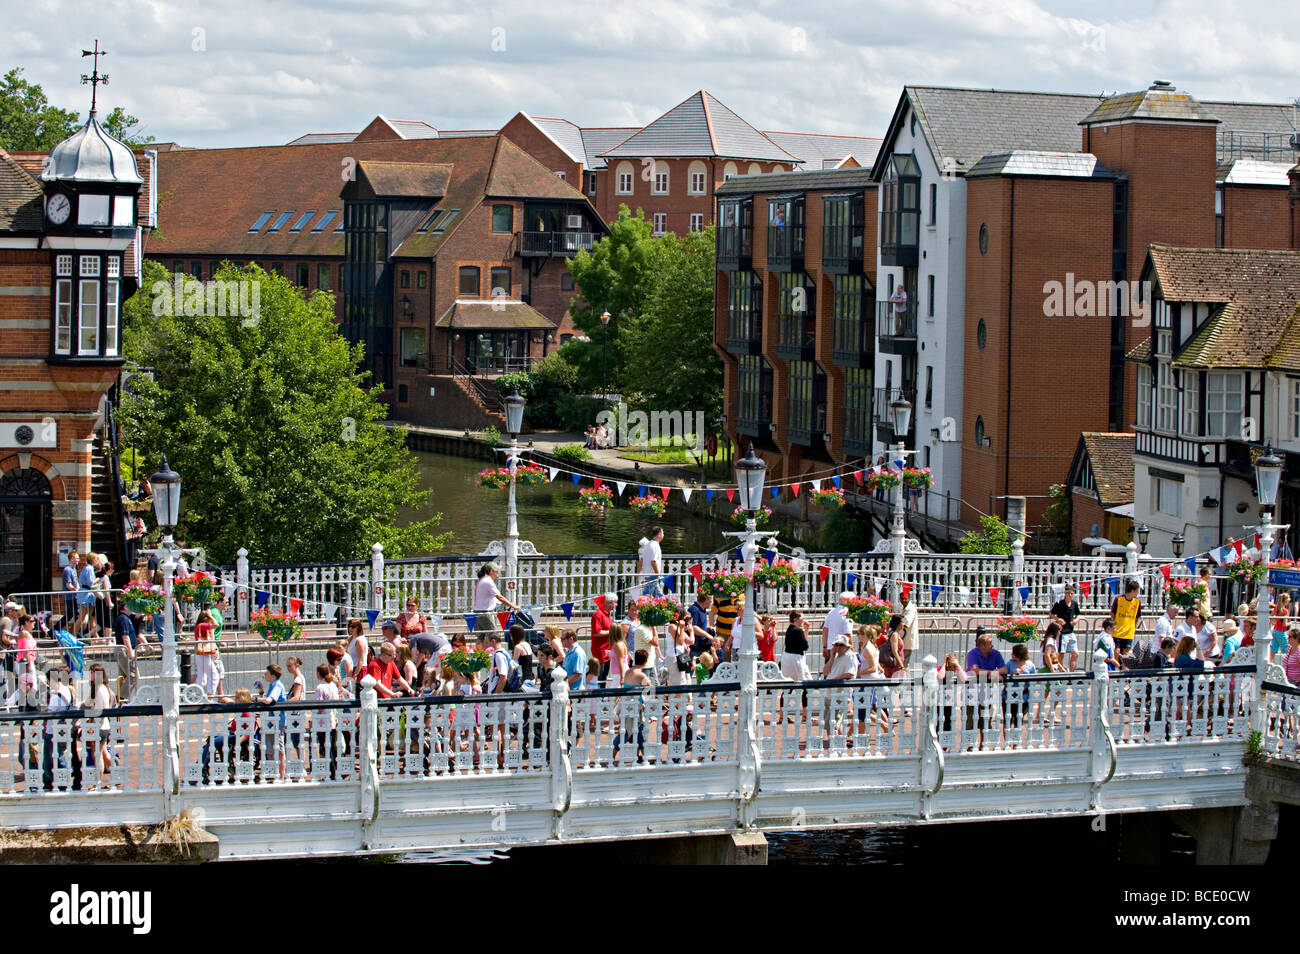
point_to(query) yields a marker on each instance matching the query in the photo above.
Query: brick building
(70, 234)
(1100, 487)
(449, 252)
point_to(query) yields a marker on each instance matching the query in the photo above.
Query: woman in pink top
(1291, 662)
(26, 640)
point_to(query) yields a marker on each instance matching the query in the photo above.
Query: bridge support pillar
(1231, 836)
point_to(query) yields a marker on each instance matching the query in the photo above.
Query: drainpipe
(1011, 271)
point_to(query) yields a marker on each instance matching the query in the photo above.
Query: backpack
(515, 679)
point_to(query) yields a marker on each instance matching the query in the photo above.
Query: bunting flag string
(1191, 564)
(1112, 582)
(1058, 591)
(963, 594)
(1024, 595)
(708, 494)
(372, 615)
(686, 492)
(600, 603)
(552, 471)
(670, 584)
(471, 620)
(836, 482)
(1164, 571)
(776, 491)
(263, 597)
(731, 494)
(794, 488)
(621, 487)
(816, 484)
(850, 580)
(696, 570)
(993, 593)
(567, 609)
(769, 556)
(878, 583)
(504, 620)
(295, 606)
(823, 571)
(1085, 587)
(641, 489)
(664, 491)
(935, 590)
(907, 589)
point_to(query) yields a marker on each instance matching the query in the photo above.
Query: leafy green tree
(27, 121)
(124, 127)
(265, 417)
(677, 315)
(993, 537)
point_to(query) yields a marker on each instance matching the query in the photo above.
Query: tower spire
(95, 77)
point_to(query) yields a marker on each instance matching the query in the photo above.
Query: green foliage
(573, 453)
(124, 127)
(27, 120)
(542, 388)
(575, 411)
(844, 531)
(492, 436)
(1254, 743)
(993, 537)
(280, 447)
(1057, 515)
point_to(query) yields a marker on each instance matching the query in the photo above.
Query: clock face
(57, 208)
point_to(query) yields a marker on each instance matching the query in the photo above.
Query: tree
(677, 313)
(265, 417)
(993, 537)
(124, 127)
(27, 121)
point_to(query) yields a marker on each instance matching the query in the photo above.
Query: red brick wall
(1084, 512)
(541, 147)
(1256, 217)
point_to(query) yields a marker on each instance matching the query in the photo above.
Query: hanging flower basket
(494, 478)
(274, 626)
(467, 661)
(763, 516)
(779, 576)
(530, 475)
(1245, 571)
(917, 478)
(197, 587)
(882, 480)
(1016, 629)
(827, 498)
(651, 505)
(143, 599)
(726, 583)
(869, 610)
(597, 499)
(657, 610)
(1185, 592)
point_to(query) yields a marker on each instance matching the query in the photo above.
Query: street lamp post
(902, 412)
(1268, 473)
(751, 473)
(1143, 534)
(604, 353)
(514, 424)
(167, 506)
(1177, 543)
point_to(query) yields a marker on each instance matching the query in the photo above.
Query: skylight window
(445, 221)
(303, 220)
(325, 221)
(279, 223)
(262, 220)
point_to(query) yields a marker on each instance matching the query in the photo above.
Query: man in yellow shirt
(1126, 610)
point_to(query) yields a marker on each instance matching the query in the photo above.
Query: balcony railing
(797, 338)
(735, 247)
(784, 248)
(807, 424)
(883, 415)
(745, 333)
(842, 249)
(895, 329)
(539, 244)
(755, 420)
(853, 345)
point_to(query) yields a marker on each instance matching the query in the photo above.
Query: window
(984, 239)
(302, 220)
(1143, 396)
(402, 394)
(848, 340)
(1218, 217)
(981, 335)
(1167, 493)
(412, 345)
(422, 279)
(1166, 398)
(113, 267)
(979, 432)
(404, 278)
(624, 178)
(468, 286)
(1295, 410)
(929, 386)
(325, 220)
(697, 183)
(277, 268)
(566, 282)
(1191, 403)
(501, 282)
(503, 218)
(559, 174)
(323, 277)
(445, 220)
(110, 317)
(661, 183)
(591, 183)
(196, 269)
(88, 266)
(92, 210)
(262, 220)
(697, 221)
(857, 411)
(929, 296)
(1224, 397)
(88, 339)
(660, 223)
(304, 274)
(279, 223)
(934, 204)
(63, 313)
(63, 265)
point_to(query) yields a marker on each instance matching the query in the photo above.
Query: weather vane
(95, 78)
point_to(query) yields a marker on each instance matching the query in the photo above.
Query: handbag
(685, 663)
(887, 657)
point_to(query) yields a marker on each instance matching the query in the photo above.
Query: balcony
(551, 244)
(856, 444)
(899, 232)
(785, 248)
(807, 425)
(896, 331)
(744, 333)
(853, 345)
(842, 249)
(883, 415)
(797, 338)
(735, 248)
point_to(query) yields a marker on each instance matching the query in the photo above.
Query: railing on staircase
(481, 388)
(112, 450)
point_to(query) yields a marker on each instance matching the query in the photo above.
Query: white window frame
(1143, 397)
(110, 318)
(1166, 493)
(63, 313)
(88, 266)
(624, 183)
(63, 266)
(88, 332)
(697, 183)
(660, 222)
(1166, 399)
(1295, 409)
(1191, 403)
(660, 183)
(697, 221)
(1224, 420)
(113, 267)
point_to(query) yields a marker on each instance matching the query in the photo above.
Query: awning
(494, 315)
(1123, 510)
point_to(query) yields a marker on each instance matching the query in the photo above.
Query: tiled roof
(20, 198)
(596, 139)
(563, 133)
(1259, 289)
(1111, 458)
(1255, 172)
(312, 139)
(819, 181)
(812, 149)
(701, 125)
(497, 313)
(1080, 165)
(406, 179)
(1157, 102)
(215, 195)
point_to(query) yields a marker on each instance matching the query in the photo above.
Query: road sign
(1288, 578)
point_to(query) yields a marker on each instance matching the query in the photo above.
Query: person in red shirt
(767, 638)
(412, 621)
(384, 668)
(600, 623)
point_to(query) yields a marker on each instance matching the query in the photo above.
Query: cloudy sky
(246, 72)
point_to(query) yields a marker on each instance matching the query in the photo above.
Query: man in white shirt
(842, 664)
(909, 626)
(1165, 625)
(486, 597)
(1207, 637)
(650, 562)
(899, 298)
(837, 623)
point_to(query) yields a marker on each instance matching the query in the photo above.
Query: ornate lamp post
(902, 412)
(1143, 534)
(604, 353)
(1268, 474)
(1177, 543)
(515, 404)
(167, 508)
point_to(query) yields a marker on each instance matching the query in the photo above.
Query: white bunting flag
(228, 589)
(879, 583)
(553, 471)
(963, 594)
(328, 610)
(686, 492)
(621, 487)
(816, 484)
(876, 469)
(1058, 591)
(436, 622)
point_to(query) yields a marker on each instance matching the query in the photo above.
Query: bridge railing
(102, 750)
(1164, 705)
(1281, 734)
(654, 726)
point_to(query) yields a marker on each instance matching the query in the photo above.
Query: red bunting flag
(1164, 570)
(664, 491)
(907, 589)
(993, 593)
(504, 618)
(295, 606)
(597, 482)
(795, 489)
(1237, 545)
(857, 475)
(822, 573)
(731, 494)
(1257, 541)
(600, 603)
(696, 571)
(1085, 587)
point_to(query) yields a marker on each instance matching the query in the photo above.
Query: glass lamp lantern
(166, 486)
(515, 404)
(751, 474)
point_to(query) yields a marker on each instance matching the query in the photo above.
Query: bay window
(1224, 398)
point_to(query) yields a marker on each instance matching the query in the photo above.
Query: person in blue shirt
(85, 597)
(575, 661)
(70, 589)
